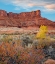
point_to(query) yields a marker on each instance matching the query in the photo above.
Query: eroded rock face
(25, 15)
(3, 13)
(24, 19)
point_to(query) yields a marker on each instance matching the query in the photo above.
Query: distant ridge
(24, 19)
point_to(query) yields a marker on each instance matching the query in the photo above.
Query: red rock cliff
(24, 19)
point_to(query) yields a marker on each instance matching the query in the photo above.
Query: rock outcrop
(50, 61)
(3, 13)
(24, 19)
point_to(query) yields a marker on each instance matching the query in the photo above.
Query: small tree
(42, 32)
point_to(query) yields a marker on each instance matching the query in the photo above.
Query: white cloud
(27, 4)
(50, 6)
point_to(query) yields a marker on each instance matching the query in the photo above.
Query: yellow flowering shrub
(42, 32)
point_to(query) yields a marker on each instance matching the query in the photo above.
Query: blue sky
(47, 7)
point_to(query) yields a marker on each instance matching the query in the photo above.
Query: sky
(47, 7)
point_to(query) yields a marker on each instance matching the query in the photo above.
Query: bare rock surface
(50, 61)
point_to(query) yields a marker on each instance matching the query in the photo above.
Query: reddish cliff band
(24, 19)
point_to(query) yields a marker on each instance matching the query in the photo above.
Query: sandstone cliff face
(24, 19)
(3, 13)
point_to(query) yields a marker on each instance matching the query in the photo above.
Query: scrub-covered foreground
(27, 48)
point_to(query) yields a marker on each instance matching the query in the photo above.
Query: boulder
(49, 61)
